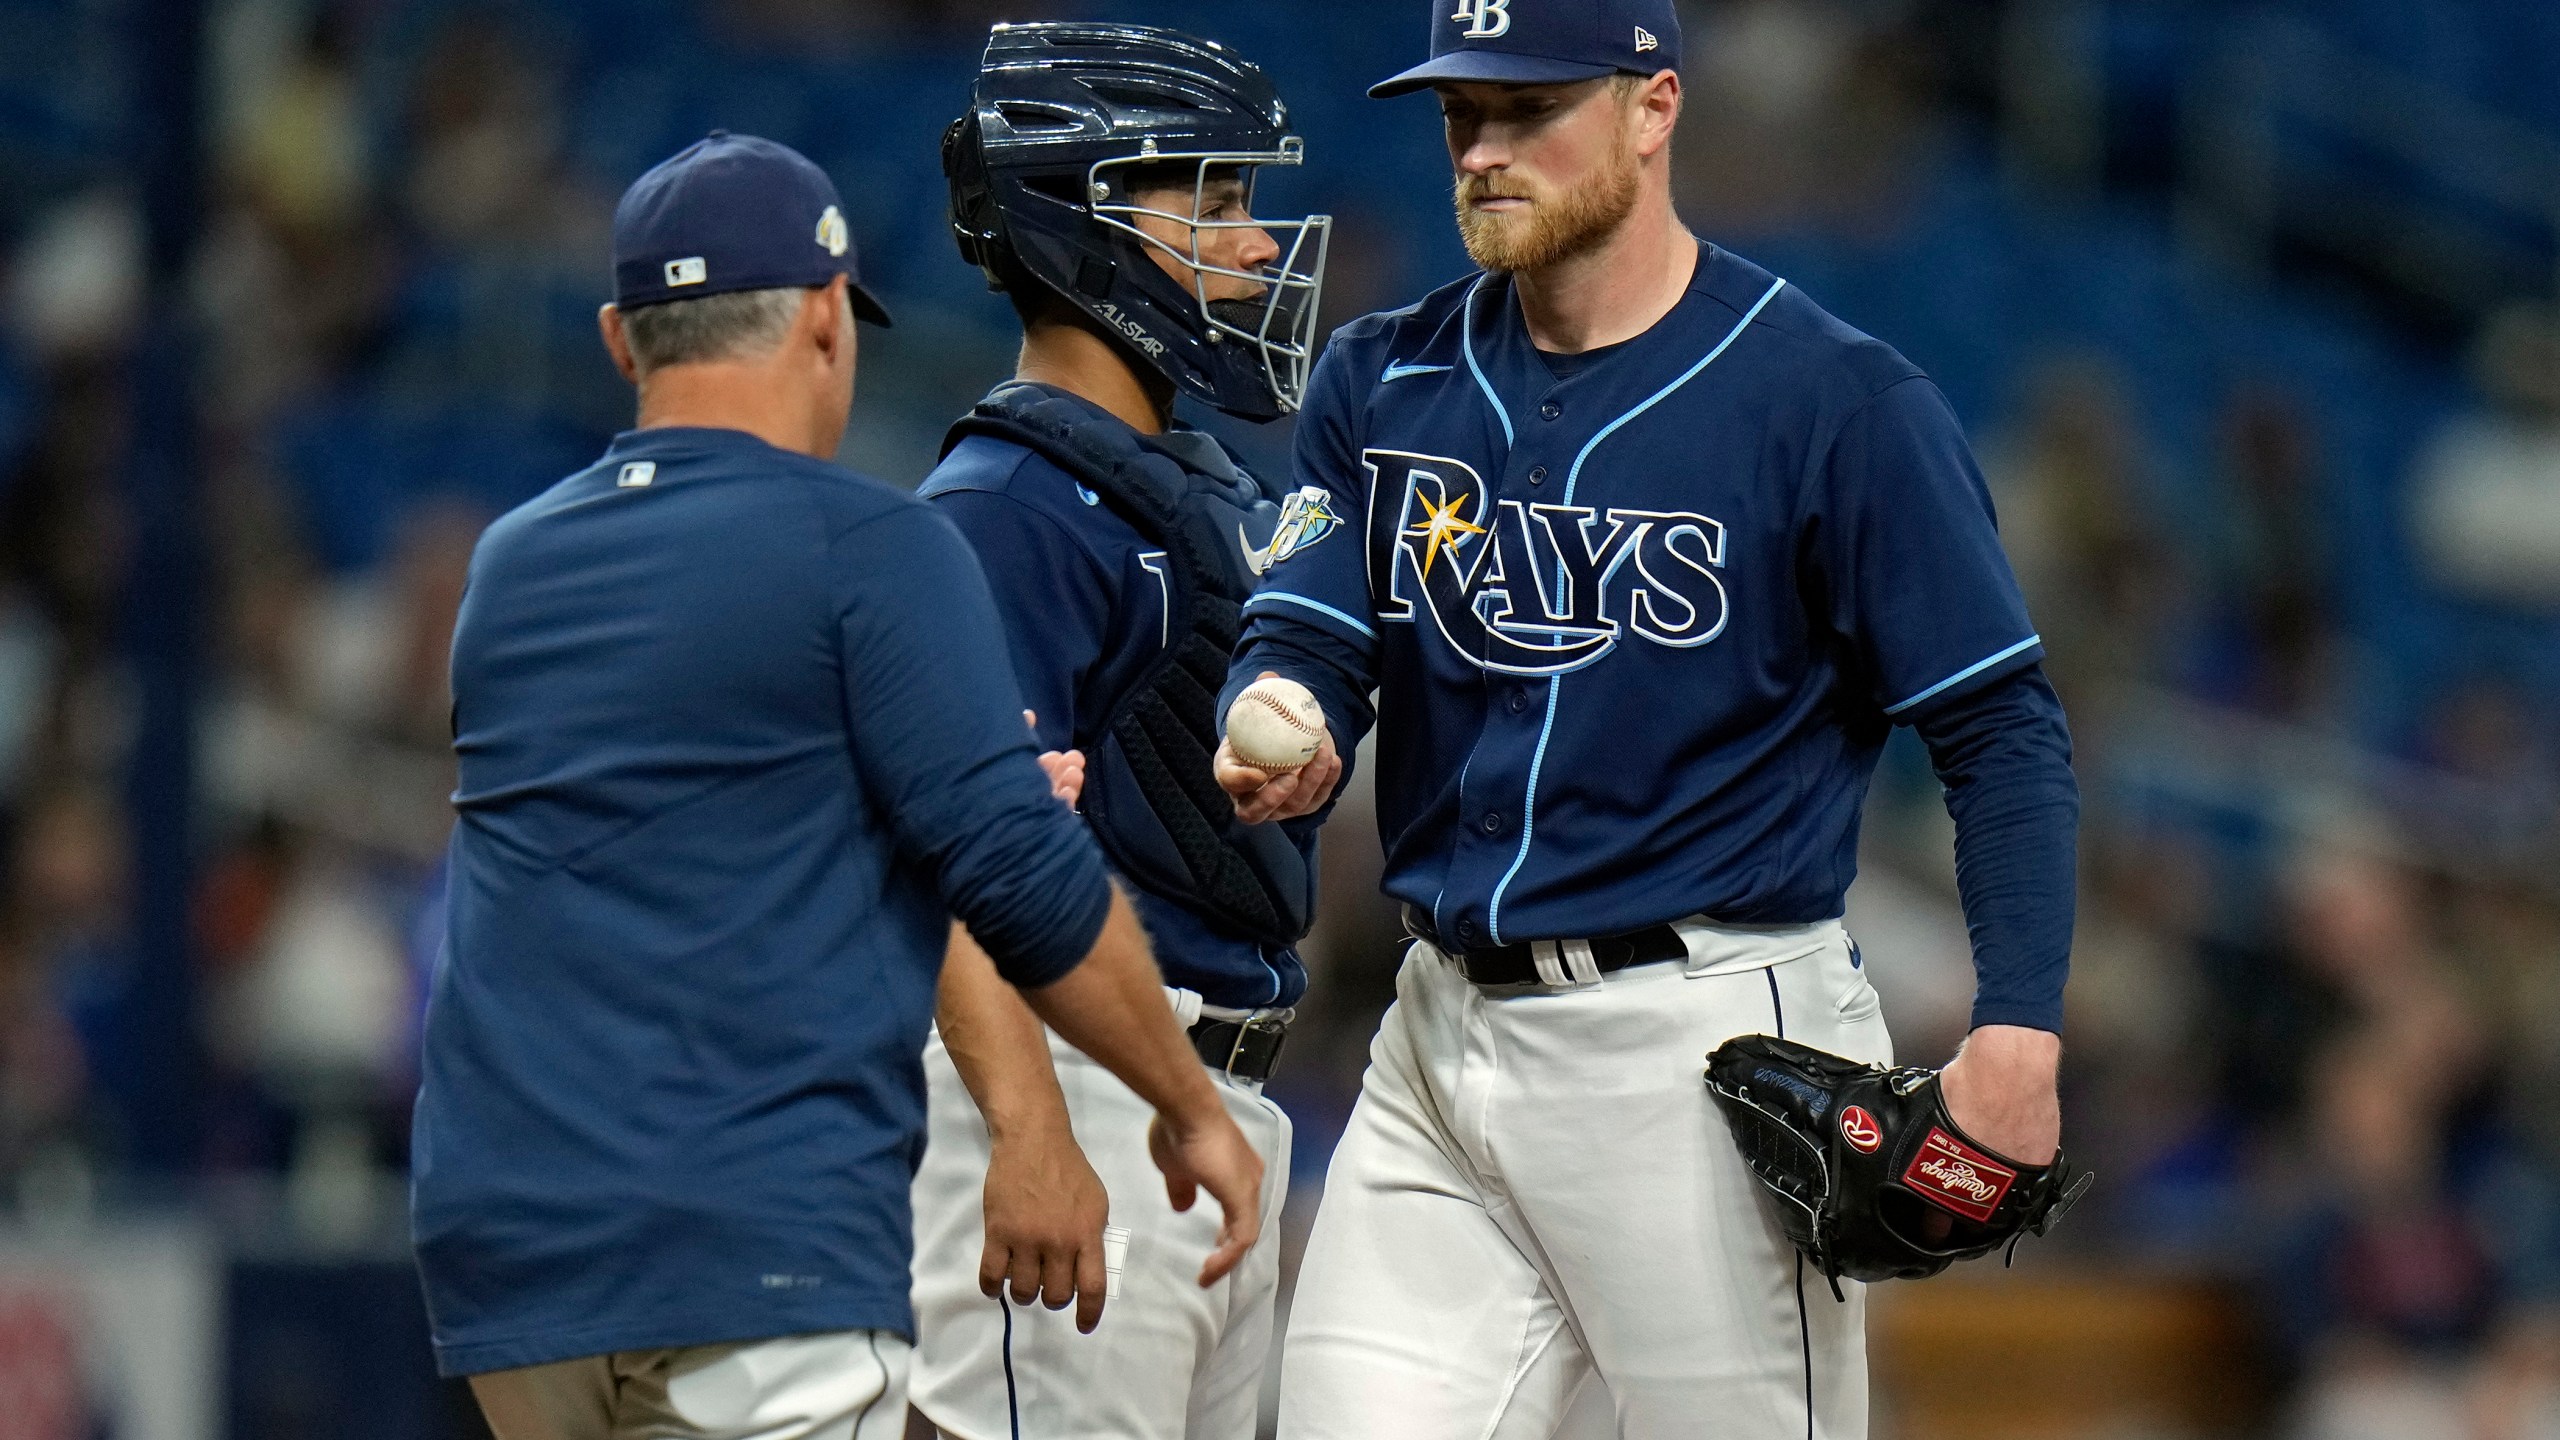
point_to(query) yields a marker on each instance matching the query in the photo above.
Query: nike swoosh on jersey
(1397, 370)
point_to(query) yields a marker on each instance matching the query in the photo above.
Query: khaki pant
(842, 1385)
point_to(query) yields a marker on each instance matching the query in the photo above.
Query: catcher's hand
(1870, 1175)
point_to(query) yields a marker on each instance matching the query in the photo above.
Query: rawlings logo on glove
(1958, 1176)
(1890, 1188)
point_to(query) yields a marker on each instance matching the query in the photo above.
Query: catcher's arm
(1045, 1208)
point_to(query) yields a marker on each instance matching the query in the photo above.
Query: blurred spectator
(2390, 1277)
(296, 269)
(75, 292)
(2105, 584)
(68, 1067)
(2486, 494)
(1805, 113)
(29, 654)
(2283, 649)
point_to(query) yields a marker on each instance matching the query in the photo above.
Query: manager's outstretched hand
(1261, 795)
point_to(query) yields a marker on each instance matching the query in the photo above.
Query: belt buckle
(1265, 1022)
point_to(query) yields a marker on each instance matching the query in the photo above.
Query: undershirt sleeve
(2003, 753)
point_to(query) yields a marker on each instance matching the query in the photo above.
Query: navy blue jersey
(1085, 600)
(736, 734)
(1638, 630)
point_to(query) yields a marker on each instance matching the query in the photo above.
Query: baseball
(1275, 725)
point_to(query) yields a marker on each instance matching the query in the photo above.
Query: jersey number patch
(1532, 589)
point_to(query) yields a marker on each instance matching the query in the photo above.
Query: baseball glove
(1870, 1176)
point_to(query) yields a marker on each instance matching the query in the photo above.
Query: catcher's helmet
(1065, 117)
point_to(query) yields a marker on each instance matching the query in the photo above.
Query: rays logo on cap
(832, 236)
(1485, 18)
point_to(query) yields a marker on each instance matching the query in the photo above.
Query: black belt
(1518, 964)
(1246, 1049)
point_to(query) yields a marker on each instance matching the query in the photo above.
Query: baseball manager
(737, 739)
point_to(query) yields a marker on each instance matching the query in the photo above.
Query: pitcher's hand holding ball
(1278, 759)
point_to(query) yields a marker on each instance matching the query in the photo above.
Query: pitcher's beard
(1552, 231)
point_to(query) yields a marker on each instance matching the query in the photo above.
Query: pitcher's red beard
(1551, 228)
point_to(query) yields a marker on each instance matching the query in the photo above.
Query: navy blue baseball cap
(1542, 42)
(732, 212)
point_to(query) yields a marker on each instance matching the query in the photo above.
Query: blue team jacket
(736, 735)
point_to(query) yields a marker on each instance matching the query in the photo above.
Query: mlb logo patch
(637, 475)
(689, 271)
(1954, 1176)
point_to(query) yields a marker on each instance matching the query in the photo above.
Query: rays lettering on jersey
(1535, 589)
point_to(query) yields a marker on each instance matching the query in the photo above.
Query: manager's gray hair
(740, 325)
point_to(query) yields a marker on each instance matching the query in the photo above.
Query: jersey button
(1550, 410)
(1519, 700)
(1467, 931)
(1492, 823)
(1538, 473)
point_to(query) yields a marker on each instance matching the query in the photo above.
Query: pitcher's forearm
(1113, 1008)
(996, 1043)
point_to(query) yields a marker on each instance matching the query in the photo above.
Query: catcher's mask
(1069, 126)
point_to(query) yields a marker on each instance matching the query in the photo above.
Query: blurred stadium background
(2248, 306)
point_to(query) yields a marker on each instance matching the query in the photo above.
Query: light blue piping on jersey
(1964, 674)
(1467, 342)
(1321, 608)
(1555, 683)
(1575, 474)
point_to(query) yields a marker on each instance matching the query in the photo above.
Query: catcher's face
(1220, 232)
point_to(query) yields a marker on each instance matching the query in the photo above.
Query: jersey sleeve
(937, 735)
(1051, 595)
(1907, 560)
(1312, 618)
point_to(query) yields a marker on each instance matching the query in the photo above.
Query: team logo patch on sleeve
(1305, 518)
(1954, 1176)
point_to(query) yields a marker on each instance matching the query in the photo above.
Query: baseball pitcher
(1643, 555)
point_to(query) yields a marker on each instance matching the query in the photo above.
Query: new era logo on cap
(688, 271)
(1645, 40)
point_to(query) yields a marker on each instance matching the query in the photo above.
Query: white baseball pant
(838, 1385)
(1170, 1361)
(1536, 1187)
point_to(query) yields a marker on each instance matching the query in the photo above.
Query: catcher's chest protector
(1151, 793)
